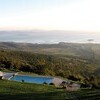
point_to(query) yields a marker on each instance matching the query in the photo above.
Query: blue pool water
(31, 79)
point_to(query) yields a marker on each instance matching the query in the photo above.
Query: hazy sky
(74, 15)
(50, 20)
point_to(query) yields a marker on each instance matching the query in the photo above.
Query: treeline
(70, 67)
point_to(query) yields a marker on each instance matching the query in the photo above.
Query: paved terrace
(8, 75)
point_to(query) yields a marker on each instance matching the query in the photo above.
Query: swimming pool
(32, 79)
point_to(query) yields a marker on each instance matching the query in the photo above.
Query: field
(25, 91)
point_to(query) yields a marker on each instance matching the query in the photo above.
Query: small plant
(23, 81)
(51, 84)
(45, 83)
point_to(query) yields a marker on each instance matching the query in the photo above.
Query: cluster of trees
(70, 67)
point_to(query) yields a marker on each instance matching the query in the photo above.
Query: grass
(27, 91)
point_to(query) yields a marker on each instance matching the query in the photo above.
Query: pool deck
(57, 81)
(9, 75)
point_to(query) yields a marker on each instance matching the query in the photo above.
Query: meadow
(10, 90)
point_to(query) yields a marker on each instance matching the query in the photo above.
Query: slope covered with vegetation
(25, 91)
(79, 62)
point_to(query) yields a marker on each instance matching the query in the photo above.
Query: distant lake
(32, 79)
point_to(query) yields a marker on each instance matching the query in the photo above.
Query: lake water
(31, 79)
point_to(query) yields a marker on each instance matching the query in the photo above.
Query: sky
(75, 15)
(48, 17)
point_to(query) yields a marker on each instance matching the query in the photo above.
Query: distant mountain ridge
(74, 49)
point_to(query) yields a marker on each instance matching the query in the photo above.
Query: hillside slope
(77, 49)
(77, 61)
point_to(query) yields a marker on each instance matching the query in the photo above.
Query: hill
(75, 61)
(61, 48)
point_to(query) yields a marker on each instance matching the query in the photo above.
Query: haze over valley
(40, 36)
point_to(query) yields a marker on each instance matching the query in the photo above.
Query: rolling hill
(80, 61)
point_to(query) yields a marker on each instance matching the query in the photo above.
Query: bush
(45, 83)
(51, 84)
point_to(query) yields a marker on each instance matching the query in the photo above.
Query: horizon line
(60, 42)
(47, 30)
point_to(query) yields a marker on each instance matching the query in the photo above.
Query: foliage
(78, 62)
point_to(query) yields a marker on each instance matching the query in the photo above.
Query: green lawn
(26, 91)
